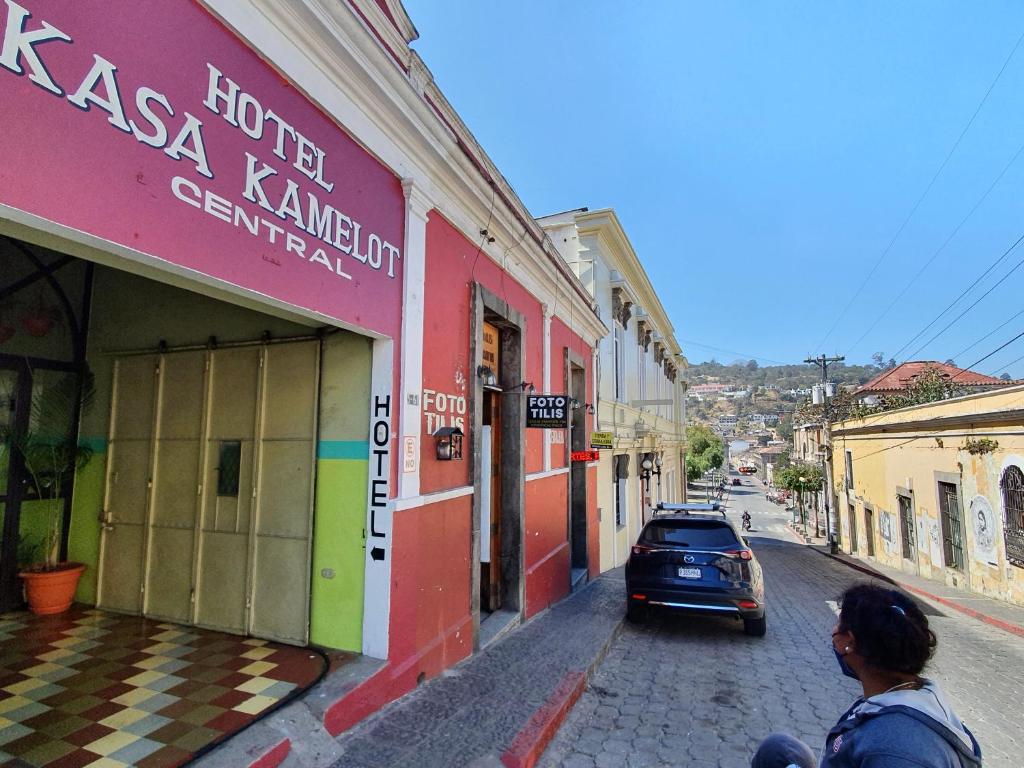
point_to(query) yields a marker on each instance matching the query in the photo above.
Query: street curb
(1006, 626)
(533, 738)
(274, 756)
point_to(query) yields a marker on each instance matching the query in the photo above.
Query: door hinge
(199, 490)
(149, 482)
(192, 595)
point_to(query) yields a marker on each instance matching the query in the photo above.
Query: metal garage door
(209, 494)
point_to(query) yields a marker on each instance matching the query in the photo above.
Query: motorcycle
(746, 521)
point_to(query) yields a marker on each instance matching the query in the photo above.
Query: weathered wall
(889, 461)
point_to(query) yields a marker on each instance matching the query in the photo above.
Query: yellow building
(938, 490)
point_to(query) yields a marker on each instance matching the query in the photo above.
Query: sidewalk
(1000, 614)
(498, 708)
(501, 706)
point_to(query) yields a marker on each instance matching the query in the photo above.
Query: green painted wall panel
(84, 537)
(336, 619)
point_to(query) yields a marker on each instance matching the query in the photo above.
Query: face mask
(846, 668)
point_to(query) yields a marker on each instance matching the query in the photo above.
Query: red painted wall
(431, 624)
(547, 542)
(453, 265)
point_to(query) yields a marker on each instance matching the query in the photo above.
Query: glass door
(10, 592)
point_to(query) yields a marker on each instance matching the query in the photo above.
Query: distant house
(708, 389)
(903, 376)
(728, 421)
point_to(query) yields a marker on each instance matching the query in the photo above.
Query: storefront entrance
(209, 488)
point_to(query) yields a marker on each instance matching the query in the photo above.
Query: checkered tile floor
(89, 688)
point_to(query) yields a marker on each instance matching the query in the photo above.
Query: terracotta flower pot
(50, 592)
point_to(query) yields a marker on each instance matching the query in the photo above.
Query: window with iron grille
(849, 470)
(952, 526)
(1012, 486)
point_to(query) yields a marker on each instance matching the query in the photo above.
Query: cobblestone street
(696, 691)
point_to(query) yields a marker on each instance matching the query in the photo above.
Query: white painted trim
(547, 473)
(433, 498)
(417, 206)
(546, 308)
(379, 516)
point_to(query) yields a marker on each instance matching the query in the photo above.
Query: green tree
(928, 387)
(704, 450)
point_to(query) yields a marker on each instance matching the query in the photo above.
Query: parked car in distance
(690, 558)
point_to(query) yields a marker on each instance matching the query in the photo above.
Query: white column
(417, 206)
(547, 379)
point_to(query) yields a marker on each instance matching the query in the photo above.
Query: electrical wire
(1006, 368)
(732, 352)
(987, 335)
(924, 194)
(975, 303)
(963, 293)
(939, 250)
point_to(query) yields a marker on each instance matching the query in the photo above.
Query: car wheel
(635, 613)
(756, 627)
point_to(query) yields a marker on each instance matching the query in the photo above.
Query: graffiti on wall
(887, 528)
(933, 535)
(983, 521)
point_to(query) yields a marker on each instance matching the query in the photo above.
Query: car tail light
(742, 554)
(639, 597)
(640, 549)
(746, 604)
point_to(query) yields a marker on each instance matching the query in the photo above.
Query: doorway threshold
(496, 625)
(578, 579)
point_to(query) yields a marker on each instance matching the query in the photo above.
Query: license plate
(689, 573)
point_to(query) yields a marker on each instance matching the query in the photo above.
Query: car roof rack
(667, 508)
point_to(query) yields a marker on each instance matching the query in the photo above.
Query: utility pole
(823, 361)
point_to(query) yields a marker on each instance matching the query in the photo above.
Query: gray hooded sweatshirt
(902, 729)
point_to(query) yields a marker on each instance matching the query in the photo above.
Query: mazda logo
(687, 558)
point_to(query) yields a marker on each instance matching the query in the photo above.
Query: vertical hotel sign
(151, 126)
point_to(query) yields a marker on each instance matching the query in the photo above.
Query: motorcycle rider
(746, 520)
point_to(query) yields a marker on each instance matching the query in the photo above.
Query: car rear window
(689, 533)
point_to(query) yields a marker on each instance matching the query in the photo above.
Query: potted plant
(50, 454)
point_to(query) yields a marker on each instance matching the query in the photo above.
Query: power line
(733, 352)
(988, 335)
(1006, 368)
(940, 249)
(977, 301)
(986, 357)
(924, 194)
(963, 293)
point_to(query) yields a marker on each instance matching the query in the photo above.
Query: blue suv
(690, 558)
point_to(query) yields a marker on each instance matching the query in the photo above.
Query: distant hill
(799, 376)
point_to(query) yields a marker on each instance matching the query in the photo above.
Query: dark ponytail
(889, 629)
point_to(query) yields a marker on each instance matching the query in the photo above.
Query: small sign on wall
(547, 411)
(409, 454)
(489, 354)
(602, 440)
(586, 455)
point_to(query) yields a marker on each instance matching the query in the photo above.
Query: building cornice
(398, 114)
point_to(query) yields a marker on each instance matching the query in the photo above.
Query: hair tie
(899, 610)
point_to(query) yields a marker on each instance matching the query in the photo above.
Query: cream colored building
(938, 490)
(640, 389)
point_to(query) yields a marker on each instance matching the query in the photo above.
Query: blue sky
(763, 155)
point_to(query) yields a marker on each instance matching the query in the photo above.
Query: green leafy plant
(51, 454)
(980, 446)
(704, 450)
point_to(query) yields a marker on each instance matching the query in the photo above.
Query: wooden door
(490, 529)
